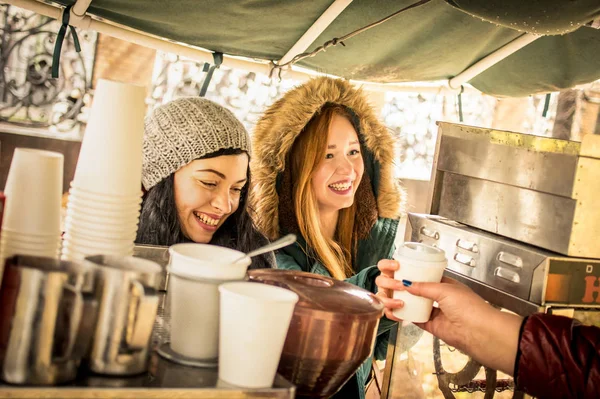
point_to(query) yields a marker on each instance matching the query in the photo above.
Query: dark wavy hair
(159, 223)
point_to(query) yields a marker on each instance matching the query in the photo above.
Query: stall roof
(437, 40)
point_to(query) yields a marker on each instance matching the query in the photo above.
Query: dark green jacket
(379, 198)
(379, 245)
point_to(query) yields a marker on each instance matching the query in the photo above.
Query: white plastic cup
(30, 238)
(100, 219)
(47, 245)
(208, 261)
(110, 160)
(195, 272)
(420, 263)
(108, 212)
(114, 229)
(74, 253)
(101, 234)
(33, 192)
(99, 244)
(103, 206)
(254, 323)
(105, 198)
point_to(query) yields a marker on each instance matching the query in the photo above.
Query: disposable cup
(102, 220)
(115, 229)
(33, 191)
(32, 238)
(420, 263)
(254, 322)
(110, 159)
(6, 250)
(16, 233)
(71, 252)
(50, 245)
(103, 206)
(195, 272)
(112, 212)
(105, 198)
(92, 243)
(101, 234)
(208, 261)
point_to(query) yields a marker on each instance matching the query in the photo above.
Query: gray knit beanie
(186, 129)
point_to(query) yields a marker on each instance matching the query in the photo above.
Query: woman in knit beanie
(196, 176)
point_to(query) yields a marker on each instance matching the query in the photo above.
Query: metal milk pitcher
(47, 318)
(128, 301)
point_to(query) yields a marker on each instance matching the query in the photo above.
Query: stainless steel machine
(517, 217)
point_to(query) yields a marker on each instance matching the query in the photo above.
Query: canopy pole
(79, 9)
(200, 55)
(316, 29)
(491, 59)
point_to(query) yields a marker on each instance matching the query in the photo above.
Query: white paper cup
(110, 160)
(195, 272)
(70, 252)
(194, 317)
(92, 243)
(33, 192)
(103, 206)
(102, 220)
(48, 245)
(105, 198)
(30, 238)
(115, 230)
(113, 212)
(208, 261)
(254, 323)
(420, 263)
(8, 250)
(101, 234)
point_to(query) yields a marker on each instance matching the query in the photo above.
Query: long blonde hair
(308, 150)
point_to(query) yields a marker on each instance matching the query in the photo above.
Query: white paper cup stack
(105, 196)
(31, 224)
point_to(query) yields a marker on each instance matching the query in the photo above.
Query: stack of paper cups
(105, 196)
(31, 223)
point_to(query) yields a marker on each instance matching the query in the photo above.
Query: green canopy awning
(435, 41)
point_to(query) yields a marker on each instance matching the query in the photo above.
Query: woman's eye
(354, 152)
(208, 184)
(328, 156)
(238, 189)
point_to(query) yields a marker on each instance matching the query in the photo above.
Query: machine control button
(467, 245)
(510, 259)
(508, 275)
(430, 233)
(465, 259)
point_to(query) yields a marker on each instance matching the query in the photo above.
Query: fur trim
(278, 128)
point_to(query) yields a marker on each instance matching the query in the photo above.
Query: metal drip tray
(513, 275)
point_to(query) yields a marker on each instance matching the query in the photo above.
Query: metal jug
(47, 318)
(128, 301)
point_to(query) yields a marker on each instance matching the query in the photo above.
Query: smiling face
(337, 176)
(207, 192)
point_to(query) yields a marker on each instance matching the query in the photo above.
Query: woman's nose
(222, 201)
(345, 167)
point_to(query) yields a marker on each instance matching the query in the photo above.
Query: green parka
(379, 197)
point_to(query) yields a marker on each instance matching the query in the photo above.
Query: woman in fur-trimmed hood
(322, 169)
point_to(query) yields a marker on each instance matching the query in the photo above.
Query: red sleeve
(558, 358)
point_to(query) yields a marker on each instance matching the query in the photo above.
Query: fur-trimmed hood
(281, 124)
